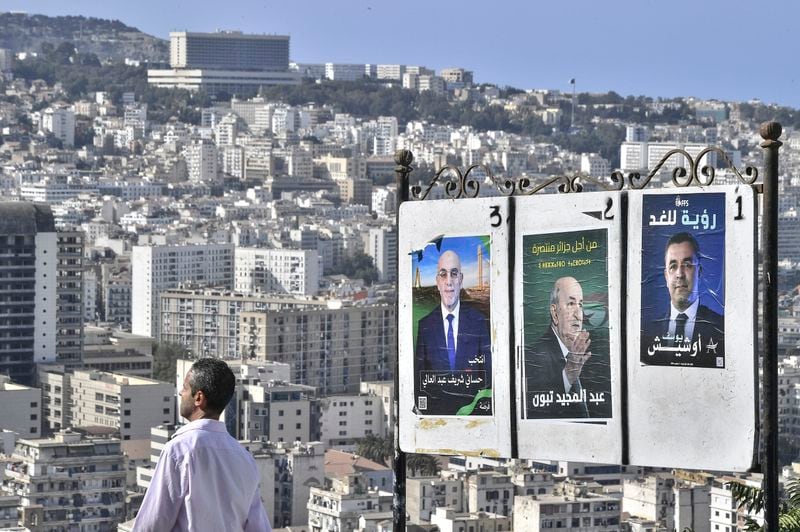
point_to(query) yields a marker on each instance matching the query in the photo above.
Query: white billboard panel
(567, 281)
(453, 330)
(691, 313)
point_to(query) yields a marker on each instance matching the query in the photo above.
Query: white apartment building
(22, 408)
(226, 130)
(129, 405)
(449, 520)
(381, 245)
(345, 419)
(277, 271)
(594, 165)
(725, 515)
(425, 494)
(394, 72)
(344, 72)
(201, 161)
(590, 513)
(333, 349)
(158, 268)
(490, 491)
(641, 156)
(233, 161)
(207, 321)
(340, 507)
(288, 473)
(29, 258)
(61, 123)
(674, 503)
(54, 381)
(67, 480)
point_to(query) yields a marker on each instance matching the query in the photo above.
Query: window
(34, 404)
(166, 411)
(280, 412)
(126, 412)
(298, 426)
(127, 400)
(33, 417)
(126, 425)
(298, 412)
(280, 426)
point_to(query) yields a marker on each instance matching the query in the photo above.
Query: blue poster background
(702, 216)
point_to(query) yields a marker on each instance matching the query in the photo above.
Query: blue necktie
(451, 342)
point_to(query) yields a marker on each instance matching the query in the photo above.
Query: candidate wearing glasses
(687, 322)
(454, 336)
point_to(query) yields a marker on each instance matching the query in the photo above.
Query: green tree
(164, 356)
(424, 464)
(751, 499)
(358, 266)
(376, 448)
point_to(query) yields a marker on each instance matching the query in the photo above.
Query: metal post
(403, 160)
(770, 131)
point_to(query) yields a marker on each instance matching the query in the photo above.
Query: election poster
(453, 327)
(683, 280)
(451, 318)
(567, 367)
(691, 328)
(568, 294)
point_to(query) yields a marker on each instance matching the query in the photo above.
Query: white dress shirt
(691, 314)
(564, 353)
(204, 481)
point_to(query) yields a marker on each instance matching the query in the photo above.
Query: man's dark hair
(215, 379)
(680, 238)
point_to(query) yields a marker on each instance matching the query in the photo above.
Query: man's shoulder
(705, 314)
(431, 317)
(471, 312)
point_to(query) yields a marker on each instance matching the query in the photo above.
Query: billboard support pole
(770, 131)
(403, 160)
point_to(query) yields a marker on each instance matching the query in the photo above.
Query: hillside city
(243, 206)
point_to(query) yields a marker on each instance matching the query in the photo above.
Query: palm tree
(426, 464)
(751, 499)
(375, 448)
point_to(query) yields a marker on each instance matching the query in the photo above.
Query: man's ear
(200, 399)
(553, 315)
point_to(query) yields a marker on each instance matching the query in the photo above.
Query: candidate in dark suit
(453, 337)
(553, 364)
(686, 323)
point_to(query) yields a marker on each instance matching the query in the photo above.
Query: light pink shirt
(204, 480)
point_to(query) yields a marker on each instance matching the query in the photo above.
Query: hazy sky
(731, 50)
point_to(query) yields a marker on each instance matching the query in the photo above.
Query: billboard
(453, 332)
(567, 299)
(691, 316)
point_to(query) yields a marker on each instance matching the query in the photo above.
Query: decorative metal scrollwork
(461, 185)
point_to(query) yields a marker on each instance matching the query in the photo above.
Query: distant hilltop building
(227, 61)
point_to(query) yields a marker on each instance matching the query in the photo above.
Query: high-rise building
(381, 245)
(201, 161)
(333, 349)
(61, 123)
(229, 50)
(158, 268)
(228, 61)
(69, 312)
(28, 289)
(277, 271)
(206, 321)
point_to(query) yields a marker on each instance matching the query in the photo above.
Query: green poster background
(584, 256)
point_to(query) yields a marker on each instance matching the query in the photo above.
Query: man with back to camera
(204, 478)
(554, 363)
(454, 336)
(687, 323)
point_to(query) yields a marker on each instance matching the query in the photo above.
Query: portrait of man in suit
(687, 329)
(453, 343)
(453, 336)
(554, 363)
